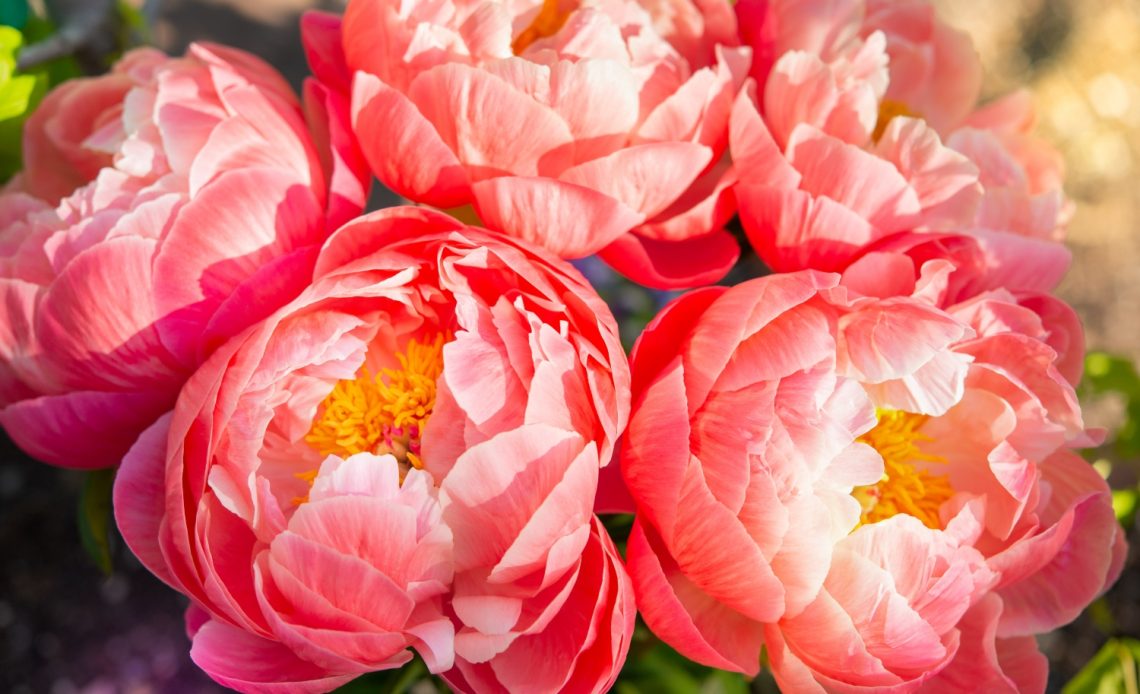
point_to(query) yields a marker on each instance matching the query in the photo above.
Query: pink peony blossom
(165, 206)
(865, 124)
(583, 127)
(405, 456)
(868, 478)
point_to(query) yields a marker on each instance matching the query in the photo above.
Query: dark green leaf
(95, 517)
(654, 668)
(1109, 374)
(14, 13)
(397, 681)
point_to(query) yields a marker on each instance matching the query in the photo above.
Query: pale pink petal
(646, 178)
(567, 219)
(492, 128)
(489, 497)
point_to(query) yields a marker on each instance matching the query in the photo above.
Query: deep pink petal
(83, 429)
(238, 659)
(657, 264)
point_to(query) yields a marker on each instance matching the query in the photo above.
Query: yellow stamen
(888, 111)
(903, 488)
(546, 23)
(385, 413)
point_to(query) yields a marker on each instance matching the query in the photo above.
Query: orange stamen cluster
(546, 23)
(888, 111)
(904, 488)
(382, 413)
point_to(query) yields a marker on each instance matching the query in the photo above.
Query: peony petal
(567, 219)
(693, 262)
(403, 148)
(683, 616)
(238, 659)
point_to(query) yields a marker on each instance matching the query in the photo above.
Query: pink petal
(646, 178)
(683, 264)
(569, 220)
(403, 148)
(139, 496)
(946, 182)
(349, 179)
(83, 429)
(321, 38)
(495, 488)
(221, 239)
(894, 338)
(685, 617)
(1076, 571)
(493, 128)
(755, 150)
(792, 230)
(100, 319)
(871, 187)
(976, 666)
(245, 662)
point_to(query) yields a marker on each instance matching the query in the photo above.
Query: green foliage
(1108, 374)
(19, 94)
(654, 668)
(1113, 670)
(14, 13)
(398, 681)
(39, 29)
(95, 517)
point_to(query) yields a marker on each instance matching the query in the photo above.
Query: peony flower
(596, 127)
(164, 207)
(865, 124)
(405, 456)
(862, 476)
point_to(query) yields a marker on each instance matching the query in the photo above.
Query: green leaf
(19, 94)
(1113, 670)
(95, 517)
(1109, 374)
(1106, 373)
(397, 681)
(1124, 502)
(14, 13)
(654, 668)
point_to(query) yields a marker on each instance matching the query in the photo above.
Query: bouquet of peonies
(350, 439)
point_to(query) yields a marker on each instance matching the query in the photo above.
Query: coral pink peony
(165, 206)
(583, 127)
(406, 455)
(867, 478)
(865, 124)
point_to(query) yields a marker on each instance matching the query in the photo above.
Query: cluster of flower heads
(346, 437)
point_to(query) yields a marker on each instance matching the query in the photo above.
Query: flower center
(546, 23)
(903, 488)
(385, 413)
(888, 111)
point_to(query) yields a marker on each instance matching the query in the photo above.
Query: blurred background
(66, 626)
